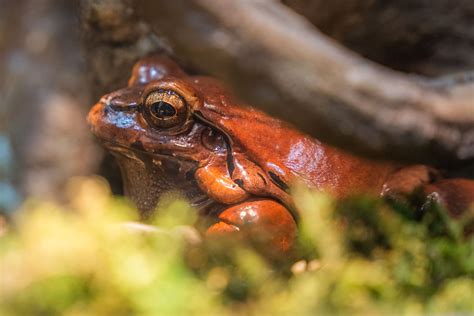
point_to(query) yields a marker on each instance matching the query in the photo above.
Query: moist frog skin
(173, 131)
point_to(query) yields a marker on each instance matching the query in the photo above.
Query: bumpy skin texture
(172, 131)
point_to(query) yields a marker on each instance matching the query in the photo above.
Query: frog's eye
(165, 109)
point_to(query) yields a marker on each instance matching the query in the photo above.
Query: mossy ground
(359, 256)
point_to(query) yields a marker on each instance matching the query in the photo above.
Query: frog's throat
(146, 178)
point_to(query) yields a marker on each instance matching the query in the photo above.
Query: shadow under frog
(172, 131)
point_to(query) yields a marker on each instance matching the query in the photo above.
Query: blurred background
(44, 97)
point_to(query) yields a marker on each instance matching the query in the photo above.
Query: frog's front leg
(265, 222)
(213, 178)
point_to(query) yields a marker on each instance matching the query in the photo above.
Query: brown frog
(169, 130)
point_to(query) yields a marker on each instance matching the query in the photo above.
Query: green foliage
(361, 256)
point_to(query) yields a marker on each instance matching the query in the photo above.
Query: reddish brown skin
(233, 162)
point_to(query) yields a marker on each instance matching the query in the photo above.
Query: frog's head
(155, 115)
(153, 128)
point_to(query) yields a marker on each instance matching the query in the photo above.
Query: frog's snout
(94, 115)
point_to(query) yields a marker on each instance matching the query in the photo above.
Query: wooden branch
(279, 62)
(432, 37)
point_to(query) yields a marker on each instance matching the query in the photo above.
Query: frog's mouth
(131, 153)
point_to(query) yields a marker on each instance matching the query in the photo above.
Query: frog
(170, 130)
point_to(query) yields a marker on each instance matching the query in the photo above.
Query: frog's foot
(403, 183)
(266, 223)
(456, 195)
(420, 186)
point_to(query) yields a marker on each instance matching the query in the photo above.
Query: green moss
(363, 257)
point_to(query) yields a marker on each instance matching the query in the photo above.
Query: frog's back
(285, 152)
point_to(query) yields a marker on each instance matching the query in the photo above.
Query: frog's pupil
(163, 109)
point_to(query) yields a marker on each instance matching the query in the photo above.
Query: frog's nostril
(117, 103)
(106, 99)
(122, 100)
